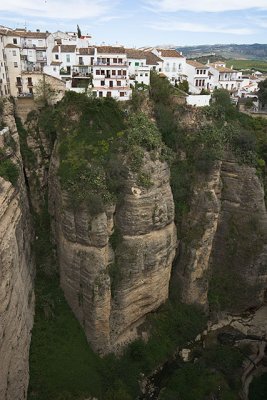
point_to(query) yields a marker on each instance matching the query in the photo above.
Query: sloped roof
(110, 50)
(134, 53)
(170, 53)
(29, 34)
(65, 48)
(85, 51)
(196, 64)
(11, 46)
(222, 69)
(152, 59)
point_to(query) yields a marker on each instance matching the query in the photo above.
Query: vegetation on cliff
(98, 142)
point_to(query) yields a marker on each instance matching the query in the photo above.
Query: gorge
(150, 218)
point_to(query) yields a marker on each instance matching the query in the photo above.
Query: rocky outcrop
(112, 289)
(224, 255)
(16, 283)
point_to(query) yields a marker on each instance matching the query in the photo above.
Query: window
(97, 72)
(108, 94)
(15, 41)
(54, 69)
(119, 72)
(124, 72)
(118, 83)
(102, 72)
(67, 58)
(197, 82)
(122, 94)
(120, 60)
(29, 81)
(100, 94)
(30, 90)
(15, 64)
(115, 60)
(113, 72)
(141, 74)
(197, 71)
(102, 83)
(56, 56)
(14, 52)
(110, 83)
(180, 66)
(146, 74)
(204, 72)
(136, 64)
(80, 60)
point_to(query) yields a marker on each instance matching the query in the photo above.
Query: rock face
(224, 256)
(16, 272)
(112, 289)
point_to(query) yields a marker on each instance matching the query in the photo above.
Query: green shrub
(9, 171)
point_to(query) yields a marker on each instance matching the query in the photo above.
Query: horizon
(145, 22)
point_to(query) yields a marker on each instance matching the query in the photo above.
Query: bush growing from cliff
(8, 170)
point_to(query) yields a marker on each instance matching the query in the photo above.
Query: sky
(139, 23)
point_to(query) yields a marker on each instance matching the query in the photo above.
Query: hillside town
(69, 61)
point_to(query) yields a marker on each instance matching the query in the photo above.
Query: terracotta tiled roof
(29, 34)
(222, 69)
(110, 50)
(170, 53)
(152, 59)
(11, 46)
(137, 54)
(65, 48)
(85, 51)
(196, 64)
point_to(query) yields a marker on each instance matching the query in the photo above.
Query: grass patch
(258, 65)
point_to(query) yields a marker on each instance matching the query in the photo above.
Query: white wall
(198, 100)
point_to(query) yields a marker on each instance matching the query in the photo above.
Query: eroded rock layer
(112, 289)
(16, 278)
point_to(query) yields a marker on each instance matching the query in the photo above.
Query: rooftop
(64, 48)
(134, 53)
(110, 50)
(196, 64)
(170, 53)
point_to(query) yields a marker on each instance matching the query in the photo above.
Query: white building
(110, 73)
(197, 76)
(173, 64)
(4, 79)
(224, 78)
(139, 71)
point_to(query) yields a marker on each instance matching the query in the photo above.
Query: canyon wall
(115, 266)
(16, 271)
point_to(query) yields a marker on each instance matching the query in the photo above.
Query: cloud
(58, 9)
(205, 5)
(171, 26)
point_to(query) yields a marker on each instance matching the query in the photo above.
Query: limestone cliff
(112, 289)
(223, 257)
(16, 270)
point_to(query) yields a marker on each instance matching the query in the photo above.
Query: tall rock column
(16, 274)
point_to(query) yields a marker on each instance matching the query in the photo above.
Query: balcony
(110, 64)
(19, 84)
(102, 77)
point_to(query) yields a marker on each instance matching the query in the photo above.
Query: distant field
(248, 64)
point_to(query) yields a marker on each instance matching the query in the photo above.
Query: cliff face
(111, 289)
(223, 258)
(16, 271)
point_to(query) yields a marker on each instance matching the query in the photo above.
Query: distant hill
(232, 51)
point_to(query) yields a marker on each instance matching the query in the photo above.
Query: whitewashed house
(4, 78)
(224, 78)
(197, 76)
(173, 64)
(139, 71)
(111, 73)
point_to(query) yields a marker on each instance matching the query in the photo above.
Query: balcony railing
(108, 63)
(102, 77)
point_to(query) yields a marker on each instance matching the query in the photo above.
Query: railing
(108, 63)
(19, 83)
(101, 77)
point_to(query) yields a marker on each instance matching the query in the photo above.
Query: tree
(79, 33)
(184, 86)
(262, 93)
(44, 93)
